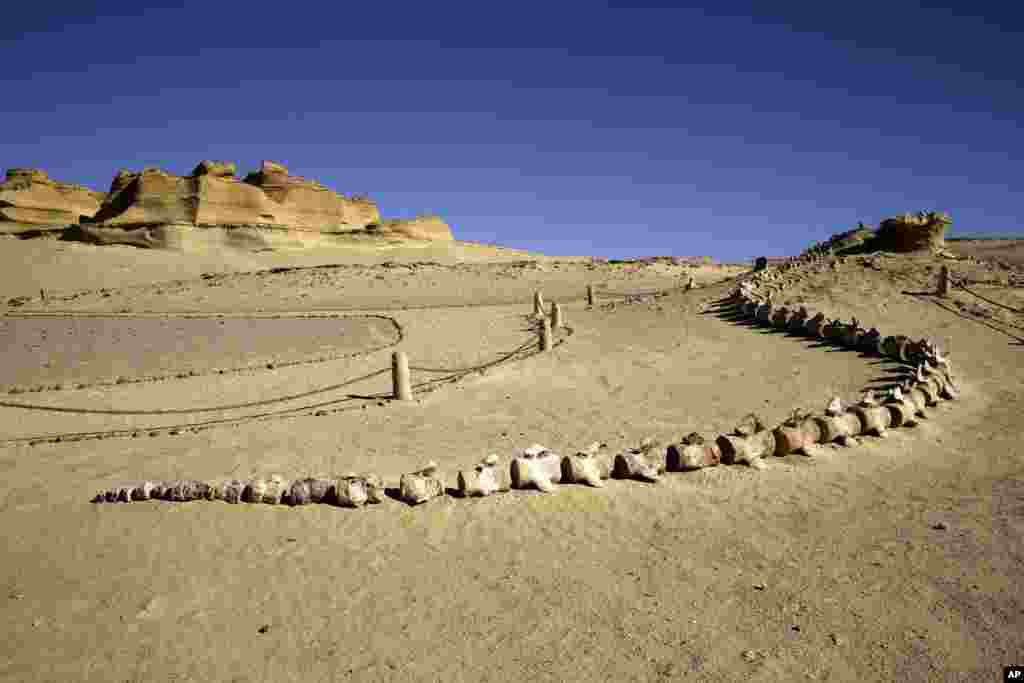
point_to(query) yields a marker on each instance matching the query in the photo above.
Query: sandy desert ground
(899, 559)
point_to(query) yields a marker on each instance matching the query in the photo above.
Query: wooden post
(545, 335)
(400, 376)
(538, 304)
(556, 316)
(943, 281)
(590, 295)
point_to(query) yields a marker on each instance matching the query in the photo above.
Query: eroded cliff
(29, 200)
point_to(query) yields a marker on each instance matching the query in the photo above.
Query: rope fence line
(474, 368)
(331, 310)
(282, 399)
(947, 280)
(399, 333)
(590, 297)
(962, 284)
(425, 386)
(186, 411)
(528, 348)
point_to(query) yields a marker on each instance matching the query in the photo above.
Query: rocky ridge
(154, 208)
(30, 199)
(213, 196)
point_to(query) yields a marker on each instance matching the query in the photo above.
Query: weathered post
(545, 335)
(538, 304)
(590, 295)
(556, 316)
(943, 281)
(400, 376)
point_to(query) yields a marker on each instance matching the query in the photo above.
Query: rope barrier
(452, 374)
(206, 424)
(330, 357)
(474, 368)
(962, 284)
(185, 411)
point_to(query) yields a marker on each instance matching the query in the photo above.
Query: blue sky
(617, 129)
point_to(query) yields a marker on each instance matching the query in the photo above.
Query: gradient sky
(618, 129)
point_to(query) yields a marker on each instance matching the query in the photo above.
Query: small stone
(759, 586)
(940, 526)
(264, 628)
(750, 656)
(837, 639)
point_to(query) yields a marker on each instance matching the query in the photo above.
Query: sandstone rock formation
(156, 209)
(29, 199)
(909, 232)
(213, 196)
(421, 228)
(913, 232)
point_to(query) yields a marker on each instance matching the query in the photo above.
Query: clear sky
(617, 129)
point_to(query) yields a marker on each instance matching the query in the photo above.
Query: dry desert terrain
(897, 559)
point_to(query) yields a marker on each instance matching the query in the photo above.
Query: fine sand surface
(1010, 252)
(87, 350)
(898, 559)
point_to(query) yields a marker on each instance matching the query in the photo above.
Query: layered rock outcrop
(29, 199)
(913, 232)
(421, 228)
(213, 196)
(268, 208)
(909, 232)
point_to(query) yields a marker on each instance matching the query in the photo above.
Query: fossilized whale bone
(852, 334)
(780, 317)
(749, 443)
(181, 490)
(643, 462)
(905, 404)
(838, 424)
(353, 490)
(798, 320)
(422, 485)
(814, 326)
(939, 377)
(350, 490)
(871, 341)
(536, 467)
(483, 479)
(590, 466)
(874, 419)
(797, 434)
(693, 452)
